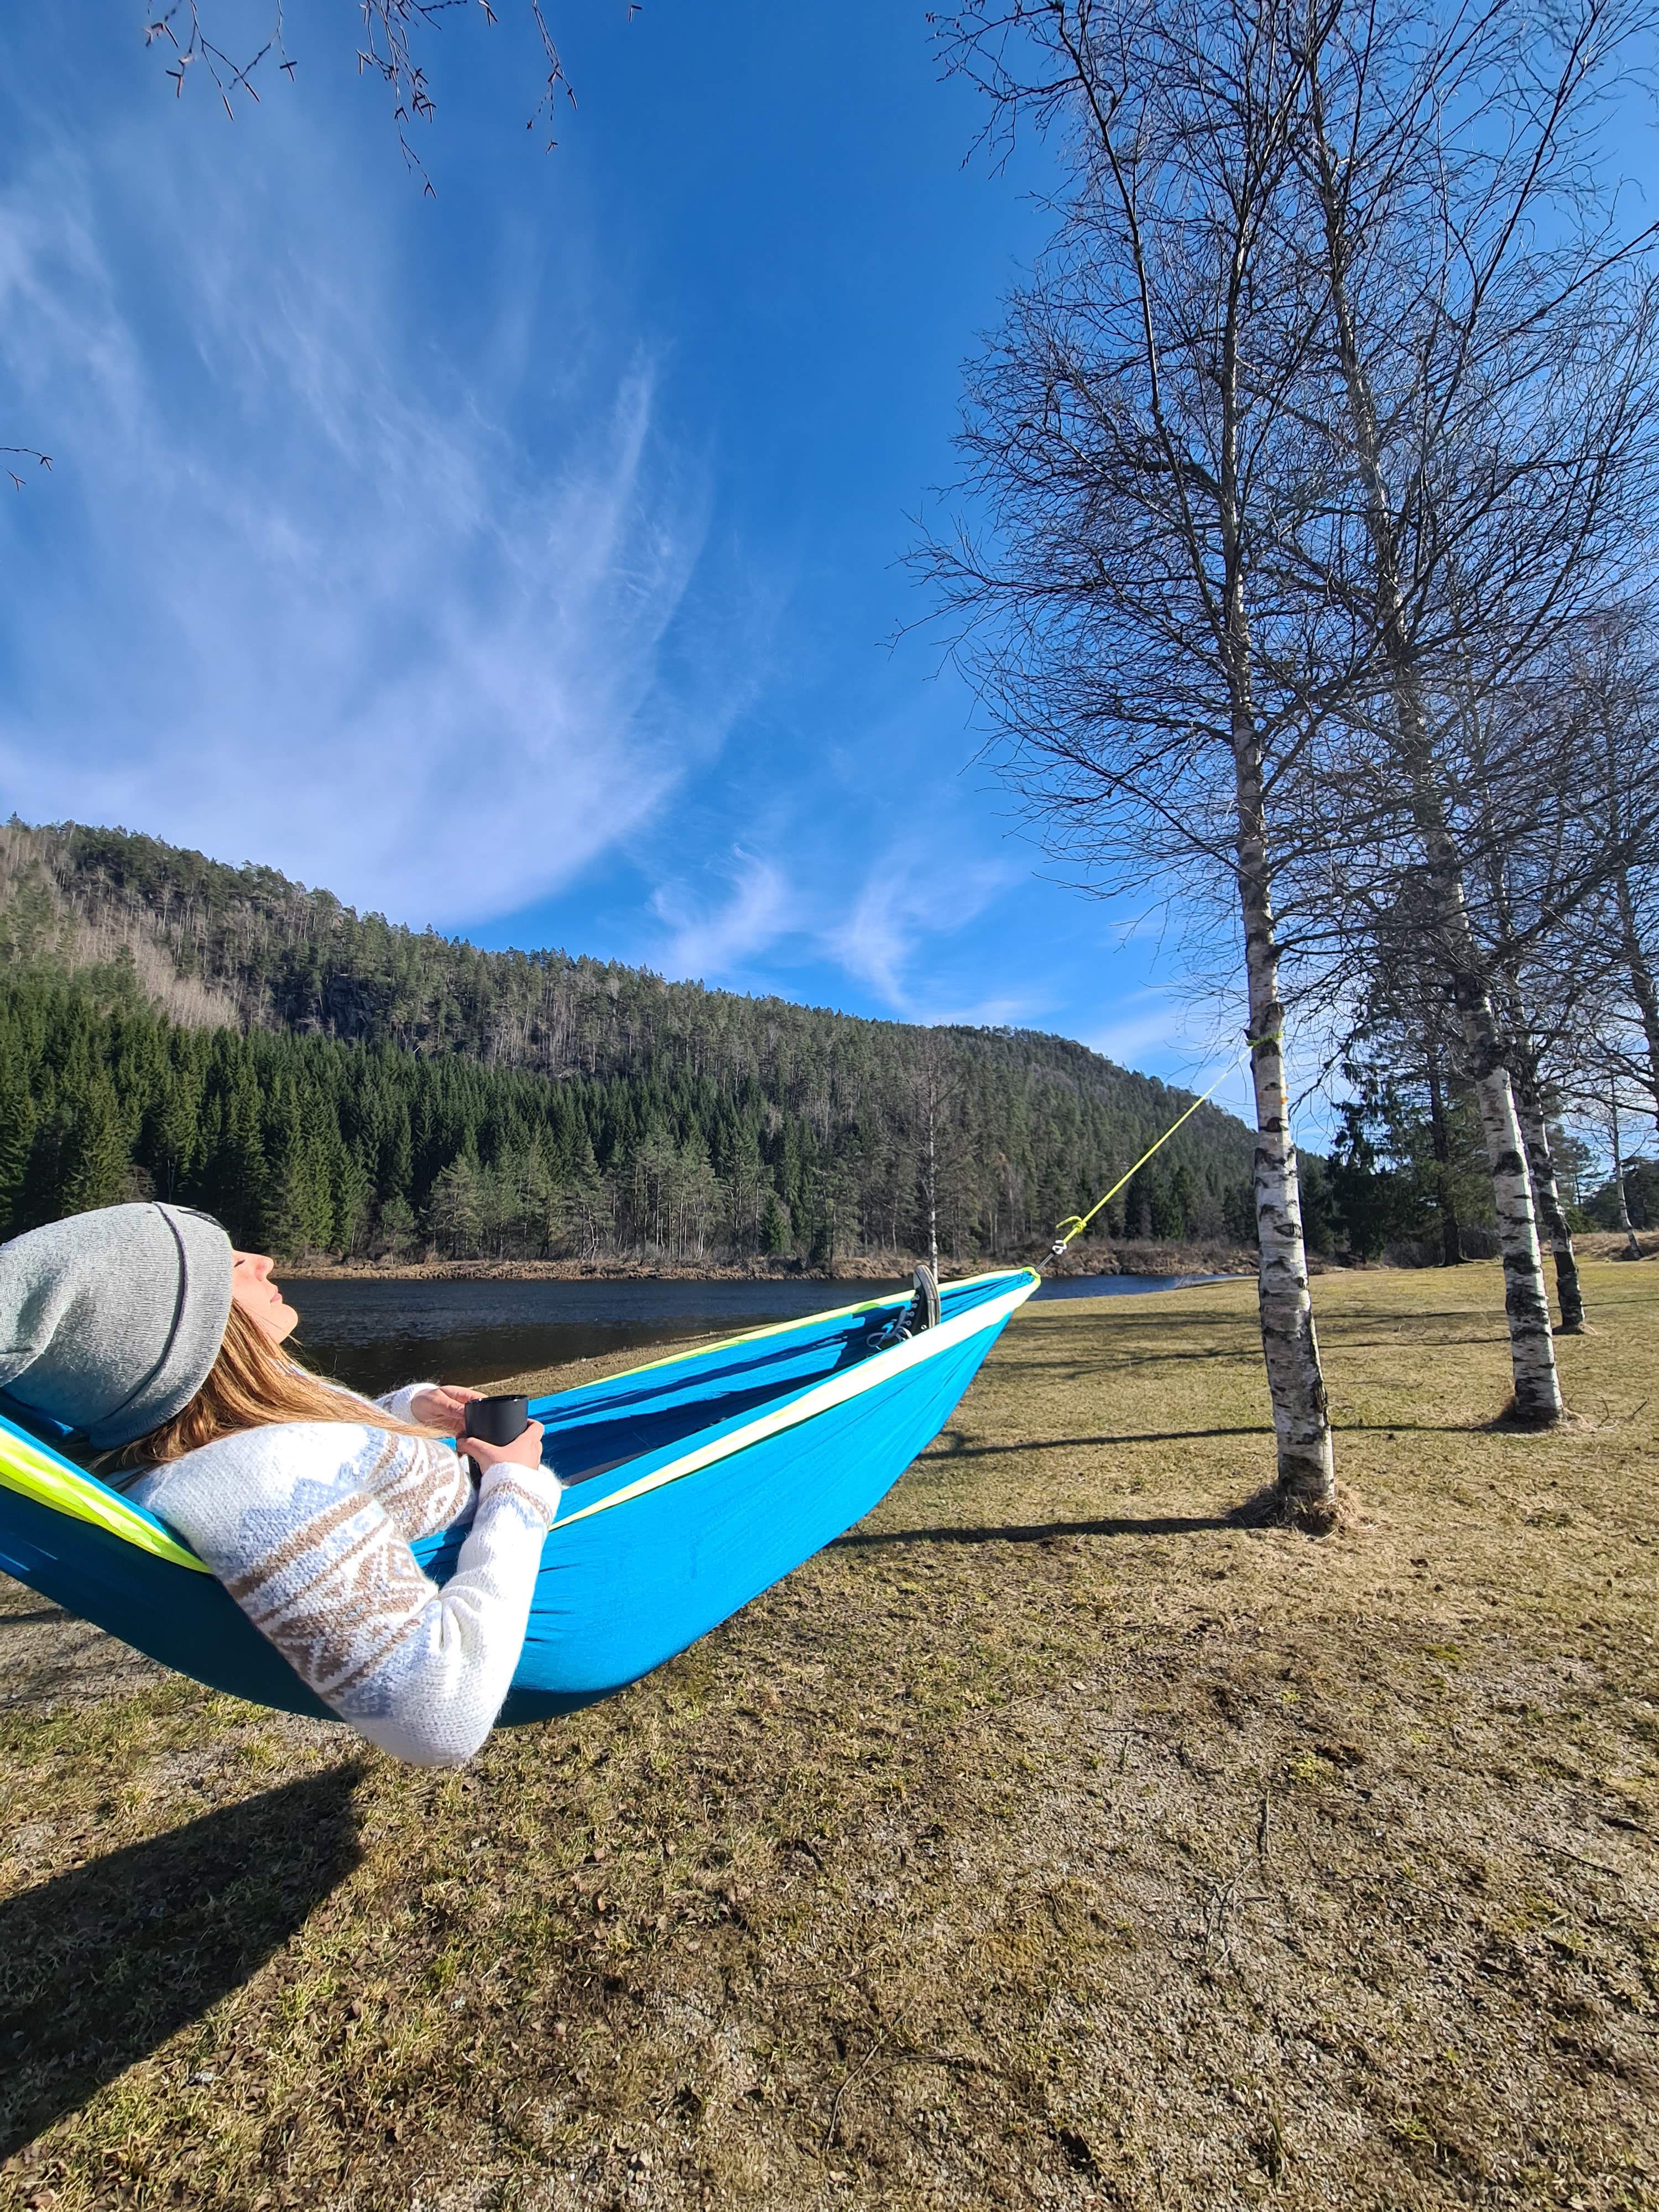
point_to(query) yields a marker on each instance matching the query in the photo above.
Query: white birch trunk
(1290, 1343)
(1552, 1214)
(1632, 1250)
(1526, 1301)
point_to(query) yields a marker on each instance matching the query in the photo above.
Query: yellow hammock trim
(27, 1470)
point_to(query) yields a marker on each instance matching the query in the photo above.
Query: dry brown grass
(1614, 1245)
(1052, 1841)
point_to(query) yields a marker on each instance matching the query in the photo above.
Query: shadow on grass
(1042, 1531)
(948, 1448)
(946, 1451)
(100, 1965)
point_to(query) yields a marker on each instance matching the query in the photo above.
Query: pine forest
(327, 1083)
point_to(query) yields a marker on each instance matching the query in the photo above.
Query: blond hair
(250, 1384)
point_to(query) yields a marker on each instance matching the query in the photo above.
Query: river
(374, 1335)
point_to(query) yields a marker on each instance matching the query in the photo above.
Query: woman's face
(252, 1288)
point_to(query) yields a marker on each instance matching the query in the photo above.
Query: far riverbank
(1089, 1258)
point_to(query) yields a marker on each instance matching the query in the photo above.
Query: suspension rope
(1074, 1224)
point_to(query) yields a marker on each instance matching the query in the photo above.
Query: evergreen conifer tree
(17, 1126)
(96, 1158)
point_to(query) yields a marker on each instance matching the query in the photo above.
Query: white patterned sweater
(308, 1526)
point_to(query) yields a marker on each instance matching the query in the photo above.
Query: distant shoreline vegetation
(1132, 1260)
(330, 1085)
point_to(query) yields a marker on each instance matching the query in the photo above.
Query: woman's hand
(441, 1407)
(525, 1450)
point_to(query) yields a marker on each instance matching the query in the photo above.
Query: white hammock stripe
(880, 1367)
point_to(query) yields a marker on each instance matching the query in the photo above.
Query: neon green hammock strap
(34, 1471)
(1074, 1224)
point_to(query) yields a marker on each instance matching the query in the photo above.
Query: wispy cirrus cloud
(889, 931)
(913, 894)
(715, 942)
(305, 595)
(1153, 1023)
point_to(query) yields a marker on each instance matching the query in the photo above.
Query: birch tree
(1132, 441)
(1618, 680)
(1639, 967)
(1496, 411)
(1534, 865)
(1546, 822)
(1632, 1248)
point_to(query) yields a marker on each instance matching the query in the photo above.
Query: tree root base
(1513, 1423)
(1271, 1508)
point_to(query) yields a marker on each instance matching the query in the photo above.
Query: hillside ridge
(814, 1124)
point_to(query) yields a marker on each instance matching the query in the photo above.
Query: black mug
(494, 1421)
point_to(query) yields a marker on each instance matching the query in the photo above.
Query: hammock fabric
(695, 1483)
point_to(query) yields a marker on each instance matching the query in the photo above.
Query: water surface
(1115, 1286)
(374, 1335)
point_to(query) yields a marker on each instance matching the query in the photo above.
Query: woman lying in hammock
(141, 1328)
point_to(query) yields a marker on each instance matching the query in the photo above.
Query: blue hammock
(693, 1483)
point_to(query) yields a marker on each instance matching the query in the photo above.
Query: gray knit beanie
(109, 1321)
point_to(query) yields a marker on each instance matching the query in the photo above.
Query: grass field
(1053, 1840)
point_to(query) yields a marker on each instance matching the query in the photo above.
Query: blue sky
(524, 560)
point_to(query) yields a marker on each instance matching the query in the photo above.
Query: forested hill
(327, 1080)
